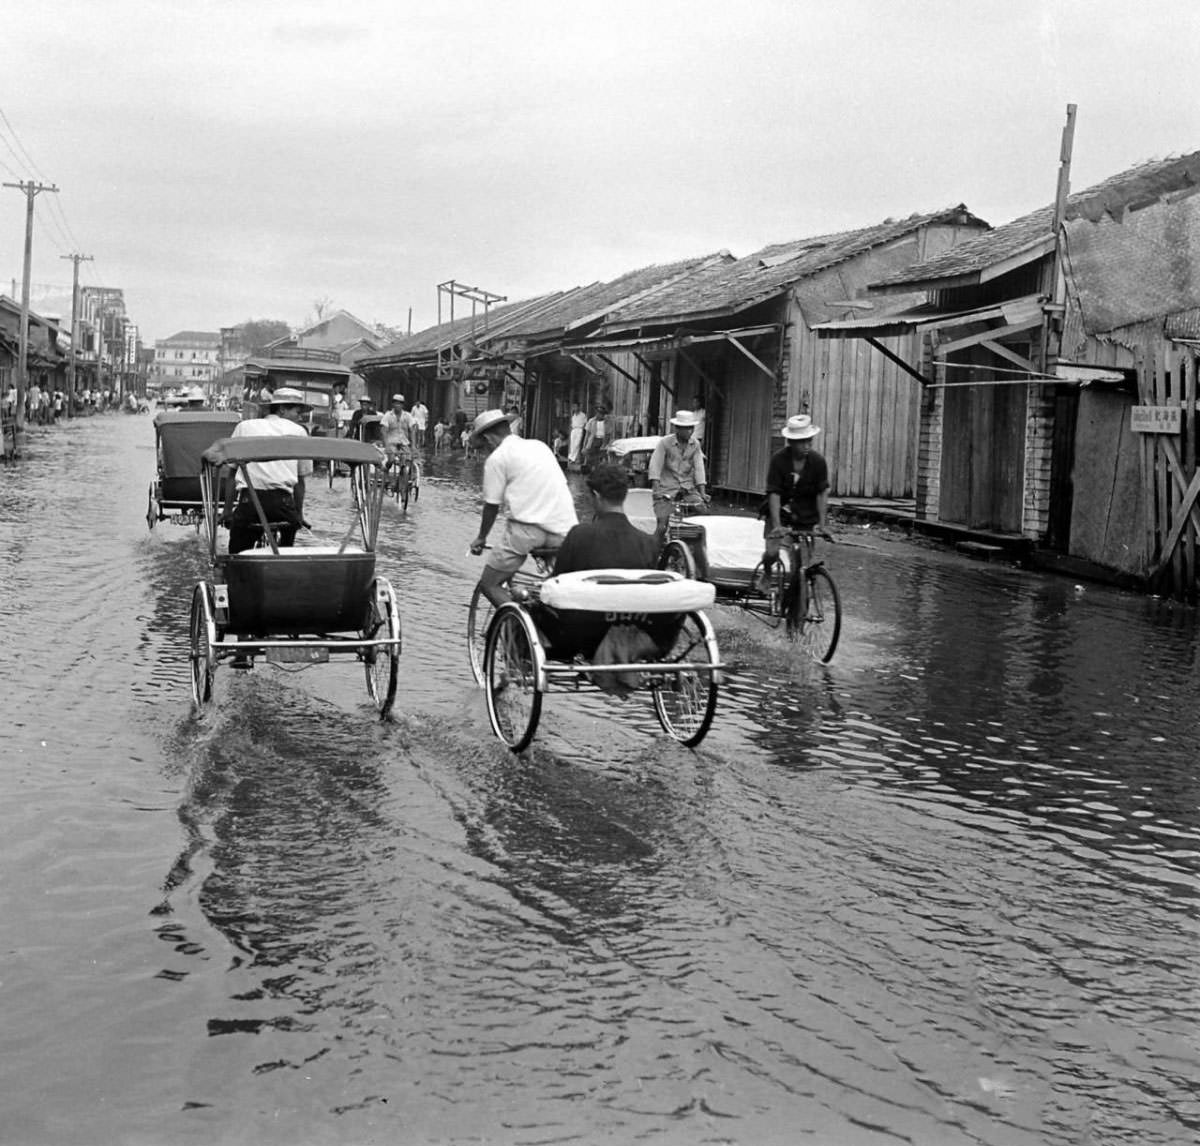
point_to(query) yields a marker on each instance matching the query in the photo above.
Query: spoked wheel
(404, 488)
(510, 666)
(203, 638)
(152, 507)
(686, 702)
(821, 625)
(676, 557)
(777, 584)
(382, 661)
(479, 617)
(415, 481)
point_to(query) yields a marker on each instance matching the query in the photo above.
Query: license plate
(297, 656)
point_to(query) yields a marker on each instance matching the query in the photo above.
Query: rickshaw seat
(181, 489)
(309, 590)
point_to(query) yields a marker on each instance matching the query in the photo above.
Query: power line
(12, 131)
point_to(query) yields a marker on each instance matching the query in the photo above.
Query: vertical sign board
(1155, 420)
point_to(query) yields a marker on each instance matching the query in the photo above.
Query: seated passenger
(608, 541)
(278, 484)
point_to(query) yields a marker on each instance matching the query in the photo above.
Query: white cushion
(303, 551)
(639, 508)
(626, 591)
(731, 542)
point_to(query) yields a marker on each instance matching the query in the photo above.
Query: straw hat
(399, 398)
(486, 421)
(684, 418)
(286, 396)
(799, 427)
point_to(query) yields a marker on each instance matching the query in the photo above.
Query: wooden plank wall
(867, 407)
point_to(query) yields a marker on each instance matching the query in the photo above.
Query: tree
(258, 333)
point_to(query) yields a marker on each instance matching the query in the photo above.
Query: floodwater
(941, 891)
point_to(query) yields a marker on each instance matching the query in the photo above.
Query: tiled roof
(741, 283)
(207, 336)
(1136, 187)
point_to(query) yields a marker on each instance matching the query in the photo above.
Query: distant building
(189, 358)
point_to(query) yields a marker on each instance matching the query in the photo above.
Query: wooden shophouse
(1056, 368)
(736, 336)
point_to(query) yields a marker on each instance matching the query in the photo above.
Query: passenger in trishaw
(677, 470)
(797, 492)
(278, 484)
(523, 474)
(608, 541)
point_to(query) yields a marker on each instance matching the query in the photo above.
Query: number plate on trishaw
(286, 656)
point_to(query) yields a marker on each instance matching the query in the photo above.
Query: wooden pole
(1057, 287)
(71, 366)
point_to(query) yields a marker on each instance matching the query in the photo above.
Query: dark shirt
(608, 541)
(797, 491)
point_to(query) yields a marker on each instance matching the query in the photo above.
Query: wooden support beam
(621, 370)
(586, 365)
(892, 357)
(1182, 517)
(661, 381)
(990, 335)
(1009, 355)
(700, 370)
(753, 358)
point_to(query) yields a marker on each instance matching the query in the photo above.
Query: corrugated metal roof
(741, 283)
(1128, 190)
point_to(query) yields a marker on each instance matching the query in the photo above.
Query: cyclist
(676, 469)
(797, 485)
(398, 426)
(524, 475)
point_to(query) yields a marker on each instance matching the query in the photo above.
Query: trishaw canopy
(268, 448)
(184, 435)
(623, 446)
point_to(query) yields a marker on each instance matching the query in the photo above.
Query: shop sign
(1155, 419)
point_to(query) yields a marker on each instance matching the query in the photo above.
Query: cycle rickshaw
(300, 605)
(181, 437)
(726, 551)
(536, 645)
(403, 481)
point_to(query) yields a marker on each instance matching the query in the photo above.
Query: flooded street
(943, 890)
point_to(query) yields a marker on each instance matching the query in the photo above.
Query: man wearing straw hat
(523, 475)
(279, 484)
(676, 469)
(797, 485)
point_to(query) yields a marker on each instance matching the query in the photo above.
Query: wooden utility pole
(1054, 315)
(31, 191)
(76, 259)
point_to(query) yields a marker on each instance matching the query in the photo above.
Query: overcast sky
(225, 160)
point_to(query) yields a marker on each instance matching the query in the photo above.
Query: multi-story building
(188, 358)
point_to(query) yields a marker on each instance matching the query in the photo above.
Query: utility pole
(31, 191)
(76, 259)
(1054, 313)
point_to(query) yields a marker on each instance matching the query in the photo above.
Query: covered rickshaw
(294, 606)
(181, 437)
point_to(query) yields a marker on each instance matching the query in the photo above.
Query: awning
(1017, 312)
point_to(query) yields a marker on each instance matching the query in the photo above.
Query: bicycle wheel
(822, 624)
(382, 662)
(685, 702)
(479, 617)
(203, 631)
(514, 703)
(404, 489)
(415, 481)
(676, 557)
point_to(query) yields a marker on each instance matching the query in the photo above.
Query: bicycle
(523, 586)
(676, 554)
(811, 607)
(404, 481)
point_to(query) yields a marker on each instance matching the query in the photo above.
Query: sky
(224, 160)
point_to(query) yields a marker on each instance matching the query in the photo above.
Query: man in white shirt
(278, 484)
(397, 432)
(420, 417)
(523, 476)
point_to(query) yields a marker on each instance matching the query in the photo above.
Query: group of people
(523, 476)
(44, 406)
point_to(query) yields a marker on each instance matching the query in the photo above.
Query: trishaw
(181, 437)
(633, 456)
(726, 551)
(552, 641)
(301, 605)
(401, 481)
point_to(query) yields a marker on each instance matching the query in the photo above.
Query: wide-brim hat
(286, 396)
(366, 398)
(799, 427)
(486, 420)
(684, 418)
(399, 398)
